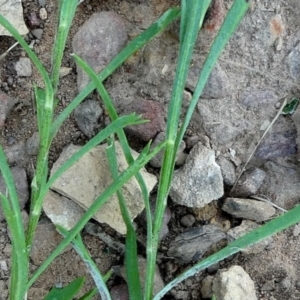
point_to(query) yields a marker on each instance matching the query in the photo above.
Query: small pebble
(42, 3)
(10, 140)
(187, 220)
(37, 33)
(43, 13)
(3, 265)
(7, 249)
(10, 80)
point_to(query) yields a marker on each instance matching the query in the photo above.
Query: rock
(206, 287)
(280, 142)
(199, 181)
(15, 153)
(87, 116)
(249, 209)
(150, 110)
(296, 120)
(3, 265)
(12, 10)
(156, 162)
(253, 98)
(23, 67)
(32, 20)
(42, 3)
(20, 180)
(43, 14)
(249, 183)
(293, 62)
(61, 210)
(90, 176)
(192, 244)
(46, 239)
(158, 282)
(217, 85)
(4, 290)
(119, 292)
(187, 220)
(32, 144)
(6, 104)
(296, 230)
(245, 227)
(64, 71)
(227, 170)
(234, 283)
(282, 184)
(97, 41)
(37, 33)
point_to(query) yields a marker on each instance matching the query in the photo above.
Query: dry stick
(266, 199)
(2, 56)
(266, 131)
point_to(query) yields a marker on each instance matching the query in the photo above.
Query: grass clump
(191, 15)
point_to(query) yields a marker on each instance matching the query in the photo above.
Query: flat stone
(206, 287)
(252, 98)
(37, 33)
(6, 105)
(15, 153)
(199, 181)
(45, 241)
(249, 183)
(233, 283)
(192, 244)
(156, 161)
(248, 209)
(217, 85)
(87, 116)
(90, 176)
(282, 184)
(187, 220)
(150, 110)
(23, 67)
(245, 227)
(61, 210)
(97, 41)
(12, 10)
(20, 179)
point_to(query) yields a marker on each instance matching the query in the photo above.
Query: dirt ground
(253, 61)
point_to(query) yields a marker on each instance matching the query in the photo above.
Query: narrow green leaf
(131, 258)
(89, 295)
(290, 108)
(80, 248)
(66, 293)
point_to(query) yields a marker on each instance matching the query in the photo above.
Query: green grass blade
(66, 14)
(231, 22)
(194, 15)
(131, 255)
(92, 267)
(12, 213)
(66, 293)
(280, 223)
(136, 44)
(140, 162)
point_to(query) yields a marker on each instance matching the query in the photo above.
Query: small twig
(259, 142)
(2, 56)
(266, 199)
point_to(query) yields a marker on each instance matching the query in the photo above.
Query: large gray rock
(12, 10)
(249, 209)
(192, 244)
(199, 181)
(97, 41)
(90, 176)
(233, 283)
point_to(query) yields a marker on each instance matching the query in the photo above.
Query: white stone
(233, 283)
(199, 181)
(23, 67)
(12, 10)
(90, 176)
